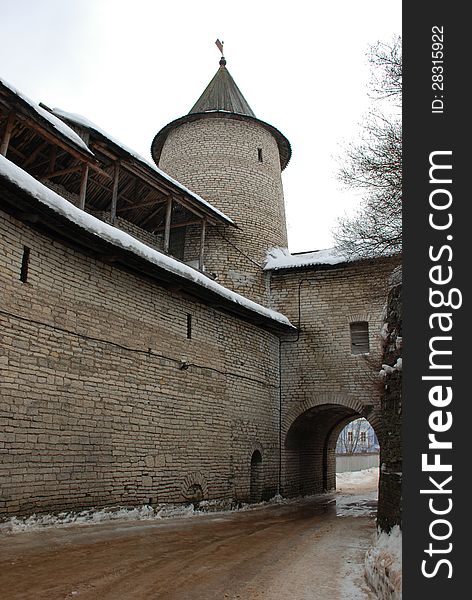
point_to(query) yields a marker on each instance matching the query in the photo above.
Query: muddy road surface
(307, 550)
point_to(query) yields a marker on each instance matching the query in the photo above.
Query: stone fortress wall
(325, 385)
(95, 409)
(120, 390)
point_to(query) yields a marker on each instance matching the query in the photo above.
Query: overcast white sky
(133, 66)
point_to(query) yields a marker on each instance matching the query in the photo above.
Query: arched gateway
(310, 431)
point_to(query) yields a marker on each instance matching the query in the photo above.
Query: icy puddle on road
(356, 505)
(310, 549)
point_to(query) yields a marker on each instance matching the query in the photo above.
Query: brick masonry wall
(94, 407)
(324, 384)
(146, 237)
(218, 159)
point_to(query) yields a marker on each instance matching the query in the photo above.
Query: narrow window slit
(189, 327)
(360, 337)
(25, 264)
(259, 154)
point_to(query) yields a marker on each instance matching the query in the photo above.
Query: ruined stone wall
(218, 159)
(94, 407)
(390, 487)
(324, 384)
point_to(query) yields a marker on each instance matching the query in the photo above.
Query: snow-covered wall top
(123, 240)
(59, 125)
(280, 258)
(87, 124)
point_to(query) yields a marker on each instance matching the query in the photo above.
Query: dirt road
(309, 550)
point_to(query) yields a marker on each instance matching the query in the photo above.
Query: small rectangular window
(259, 154)
(189, 327)
(25, 264)
(359, 337)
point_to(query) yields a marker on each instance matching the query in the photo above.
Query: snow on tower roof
(123, 241)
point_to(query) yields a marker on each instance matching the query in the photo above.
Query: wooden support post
(202, 245)
(7, 134)
(83, 187)
(114, 197)
(52, 160)
(167, 227)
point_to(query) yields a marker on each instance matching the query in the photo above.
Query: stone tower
(221, 151)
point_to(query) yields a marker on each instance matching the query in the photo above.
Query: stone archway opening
(256, 477)
(357, 448)
(310, 449)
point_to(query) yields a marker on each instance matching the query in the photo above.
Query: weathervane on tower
(220, 48)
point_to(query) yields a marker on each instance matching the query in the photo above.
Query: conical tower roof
(222, 93)
(221, 98)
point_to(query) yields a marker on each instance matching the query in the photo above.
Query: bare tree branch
(374, 165)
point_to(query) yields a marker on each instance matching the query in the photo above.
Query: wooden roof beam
(60, 172)
(43, 132)
(155, 180)
(143, 205)
(34, 155)
(135, 169)
(154, 214)
(182, 224)
(107, 188)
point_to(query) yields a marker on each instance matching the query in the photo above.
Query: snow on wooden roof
(85, 123)
(280, 258)
(121, 240)
(43, 116)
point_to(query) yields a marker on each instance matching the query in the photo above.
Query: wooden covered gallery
(95, 172)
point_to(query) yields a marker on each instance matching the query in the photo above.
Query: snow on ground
(357, 493)
(357, 505)
(123, 513)
(125, 241)
(93, 516)
(146, 513)
(383, 565)
(356, 497)
(356, 481)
